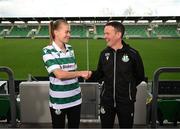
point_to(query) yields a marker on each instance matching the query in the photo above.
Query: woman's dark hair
(53, 25)
(118, 26)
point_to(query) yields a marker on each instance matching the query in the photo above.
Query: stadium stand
(166, 30)
(99, 29)
(76, 31)
(19, 30)
(43, 31)
(80, 29)
(131, 30)
(4, 30)
(136, 30)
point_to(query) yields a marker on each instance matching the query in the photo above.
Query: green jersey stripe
(63, 106)
(60, 61)
(65, 100)
(48, 51)
(64, 87)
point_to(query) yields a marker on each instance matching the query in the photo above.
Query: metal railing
(155, 90)
(11, 94)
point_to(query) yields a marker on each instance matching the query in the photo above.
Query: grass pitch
(24, 56)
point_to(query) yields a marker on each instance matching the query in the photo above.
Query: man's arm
(139, 70)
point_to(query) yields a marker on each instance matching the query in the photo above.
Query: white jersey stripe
(64, 94)
(52, 68)
(63, 106)
(69, 67)
(48, 57)
(57, 81)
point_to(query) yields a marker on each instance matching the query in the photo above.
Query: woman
(64, 93)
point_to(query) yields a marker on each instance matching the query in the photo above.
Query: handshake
(85, 74)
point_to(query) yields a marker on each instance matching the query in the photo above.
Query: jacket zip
(103, 92)
(130, 97)
(103, 89)
(114, 87)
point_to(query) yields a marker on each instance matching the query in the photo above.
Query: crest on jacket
(102, 110)
(107, 56)
(125, 58)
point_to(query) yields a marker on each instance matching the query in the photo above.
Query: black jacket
(121, 71)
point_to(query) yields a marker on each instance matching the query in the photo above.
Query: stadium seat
(43, 31)
(2, 28)
(135, 30)
(131, 30)
(170, 110)
(78, 31)
(100, 30)
(21, 30)
(5, 106)
(166, 30)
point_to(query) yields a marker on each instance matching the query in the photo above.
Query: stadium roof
(132, 18)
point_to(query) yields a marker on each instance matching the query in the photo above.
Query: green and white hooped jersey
(62, 93)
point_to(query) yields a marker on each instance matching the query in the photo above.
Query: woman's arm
(61, 74)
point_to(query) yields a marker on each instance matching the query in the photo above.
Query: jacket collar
(124, 48)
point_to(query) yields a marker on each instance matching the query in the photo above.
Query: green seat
(21, 31)
(44, 31)
(100, 30)
(78, 31)
(136, 30)
(2, 28)
(5, 106)
(170, 109)
(167, 30)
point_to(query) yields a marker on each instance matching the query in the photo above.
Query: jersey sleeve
(50, 61)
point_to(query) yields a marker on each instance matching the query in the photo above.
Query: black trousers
(73, 116)
(125, 114)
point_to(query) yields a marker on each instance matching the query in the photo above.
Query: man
(121, 69)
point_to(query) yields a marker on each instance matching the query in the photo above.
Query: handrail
(155, 90)
(11, 94)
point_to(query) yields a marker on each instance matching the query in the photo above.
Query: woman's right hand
(85, 74)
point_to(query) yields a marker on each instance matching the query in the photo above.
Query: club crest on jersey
(107, 56)
(71, 53)
(57, 111)
(59, 54)
(125, 58)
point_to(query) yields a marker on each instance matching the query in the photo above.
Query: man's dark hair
(118, 26)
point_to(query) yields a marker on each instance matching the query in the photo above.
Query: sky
(83, 8)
